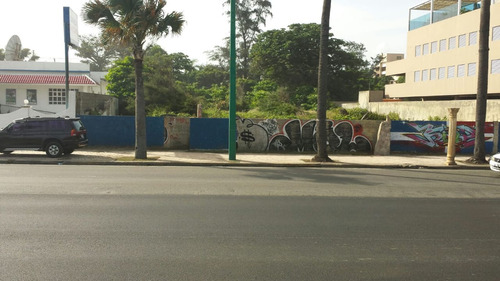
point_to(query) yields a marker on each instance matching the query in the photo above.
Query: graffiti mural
(299, 136)
(252, 137)
(432, 137)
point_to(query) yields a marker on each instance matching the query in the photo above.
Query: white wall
(422, 110)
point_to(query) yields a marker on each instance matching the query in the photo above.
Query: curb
(114, 162)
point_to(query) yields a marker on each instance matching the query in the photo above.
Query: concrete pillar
(199, 112)
(383, 145)
(495, 138)
(452, 136)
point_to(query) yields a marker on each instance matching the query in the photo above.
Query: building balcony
(437, 10)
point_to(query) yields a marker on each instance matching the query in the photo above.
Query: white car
(495, 162)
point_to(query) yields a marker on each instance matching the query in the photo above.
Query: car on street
(54, 135)
(495, 162)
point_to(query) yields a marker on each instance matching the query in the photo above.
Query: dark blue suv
(54, 135)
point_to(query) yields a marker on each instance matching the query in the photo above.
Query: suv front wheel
(54, 149)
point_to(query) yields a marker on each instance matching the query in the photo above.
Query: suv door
(34, 133)
(13, 136)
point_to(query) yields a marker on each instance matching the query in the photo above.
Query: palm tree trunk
(482, 84)
(140, 112)
(321, 130)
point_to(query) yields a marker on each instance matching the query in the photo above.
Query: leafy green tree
(261, 92)
(161, 91)
(27, 54)
(291, 58)
(183, 67)
(251, 15)
(2, 54)
(372, 80)
(121, 82)
(94, 51)
(208, 75)
(131, 23)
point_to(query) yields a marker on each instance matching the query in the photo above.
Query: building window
(473, 38)
(441, 73)
(434, 47)
(462, 40)
(495, 67)
(57, 96)
(416, 77)
(451, 71)
(433, 74)
(10, 96)
(442, 45)
(496, 33)
(425, 75)
(471, 69)
(452, 43)
(31, 96)
(425, 49)
(418, 50)
(461, 70)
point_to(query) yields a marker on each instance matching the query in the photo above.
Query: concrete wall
(177, 131)
(289, 135)
(422, 110)
(366, 97)
(432, 137)
(272, 135)
(297, 136)
(96, 104)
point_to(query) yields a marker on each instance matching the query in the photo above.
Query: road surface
(188, 223)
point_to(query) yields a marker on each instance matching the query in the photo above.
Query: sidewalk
(125, 156)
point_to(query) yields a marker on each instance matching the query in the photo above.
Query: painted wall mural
(432, 137)
(299, 136)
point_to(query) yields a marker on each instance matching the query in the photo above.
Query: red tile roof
(45, 79)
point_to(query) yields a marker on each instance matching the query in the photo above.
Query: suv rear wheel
(54, 149)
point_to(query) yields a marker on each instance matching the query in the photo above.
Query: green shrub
(437, 118)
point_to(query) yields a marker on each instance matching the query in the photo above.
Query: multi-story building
(380, 69)
(442, 52)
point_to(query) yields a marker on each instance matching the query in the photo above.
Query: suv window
(16, 128)
(78, 125)
(35, 126)
(59, 125)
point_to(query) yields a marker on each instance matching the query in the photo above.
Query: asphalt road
(116, 223)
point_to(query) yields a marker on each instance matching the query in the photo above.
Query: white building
(42, 85)
(442, 52)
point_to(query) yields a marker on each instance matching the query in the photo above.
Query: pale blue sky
(380, 25)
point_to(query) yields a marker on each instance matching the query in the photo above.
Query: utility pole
(232, 86)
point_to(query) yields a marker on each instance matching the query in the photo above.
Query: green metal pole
(232, 84)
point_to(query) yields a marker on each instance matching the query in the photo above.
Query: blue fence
(120, 130)
(209, 134)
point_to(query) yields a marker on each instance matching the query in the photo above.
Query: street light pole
(232, 86)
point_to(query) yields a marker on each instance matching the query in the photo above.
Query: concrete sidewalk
(125, 156)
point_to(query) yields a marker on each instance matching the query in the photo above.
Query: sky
(381, 25)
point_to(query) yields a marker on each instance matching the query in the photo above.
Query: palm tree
(131, 23)
(322, 154)
(479, 156)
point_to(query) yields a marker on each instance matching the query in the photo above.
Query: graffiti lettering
(432, 137)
